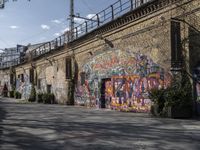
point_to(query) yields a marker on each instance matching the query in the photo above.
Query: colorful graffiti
(131, 92)
(132, 75)
(24, 87)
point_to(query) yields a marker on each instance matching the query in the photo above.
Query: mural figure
(131, 76)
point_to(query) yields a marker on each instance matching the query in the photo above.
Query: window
(68, 68)
(31, 75)
(176, 51)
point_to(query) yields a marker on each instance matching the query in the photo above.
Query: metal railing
(49, 46)
(112, 12)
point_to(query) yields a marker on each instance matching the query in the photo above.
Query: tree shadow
(41, 127)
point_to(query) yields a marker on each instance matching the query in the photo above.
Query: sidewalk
(10, 100)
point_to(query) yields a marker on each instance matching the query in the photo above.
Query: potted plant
(32, 97)
(11, 94)
(17, 95)
(178, 99)
(39, 97)
(158, 101)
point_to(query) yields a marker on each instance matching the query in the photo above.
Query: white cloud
(45, 27)
(78, 20)
(56, 21)
(65, 30)
(89, 16)
(14, 27)
(56, 34)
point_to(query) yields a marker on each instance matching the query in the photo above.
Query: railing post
(120, 2)
(44, 48)
(56, 44)
(112, 11)
(98, 20)
(86, 27)
(49, 45)
(131, 4)
(136, 3)
(76, 32)
(60, 40)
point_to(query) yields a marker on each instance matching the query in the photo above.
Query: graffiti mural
(24, 87)
(132, 76)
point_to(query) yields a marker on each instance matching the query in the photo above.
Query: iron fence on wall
(112, 12)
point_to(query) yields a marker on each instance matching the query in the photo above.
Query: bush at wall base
(17, 95)
(175, 101)
(39, 97)
(48, 98)
(32, 97)
(12, 94)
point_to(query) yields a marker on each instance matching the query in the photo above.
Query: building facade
(115, 65)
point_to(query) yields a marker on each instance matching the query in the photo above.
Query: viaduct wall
(118, 62)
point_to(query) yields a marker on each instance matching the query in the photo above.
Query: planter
(179, 112)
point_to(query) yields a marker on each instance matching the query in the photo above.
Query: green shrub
(52, 98)
(178, 97)
(48, 98)
(11, 94)
(39, 97)
(32, 97)
(158, 98)
(17, 95)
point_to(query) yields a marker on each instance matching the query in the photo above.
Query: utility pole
(72, 18)
(71, 83)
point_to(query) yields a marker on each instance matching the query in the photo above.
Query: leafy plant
(17, 95)
(32, 97)
(11, 94)
(48, 98)
(39, 97)
(157, 97)
(178, 97)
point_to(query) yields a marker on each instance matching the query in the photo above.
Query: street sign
(1, 4)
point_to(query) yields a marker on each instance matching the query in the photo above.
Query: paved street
(58, 127)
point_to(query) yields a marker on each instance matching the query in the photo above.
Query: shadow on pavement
(28, 127)
(2, 117)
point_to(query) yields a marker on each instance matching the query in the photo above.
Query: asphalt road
(58, 127)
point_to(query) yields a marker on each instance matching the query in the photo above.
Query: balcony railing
(109, 14)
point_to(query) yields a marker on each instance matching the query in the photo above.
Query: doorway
(105, 94)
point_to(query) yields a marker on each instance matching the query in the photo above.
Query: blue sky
(25, 22)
